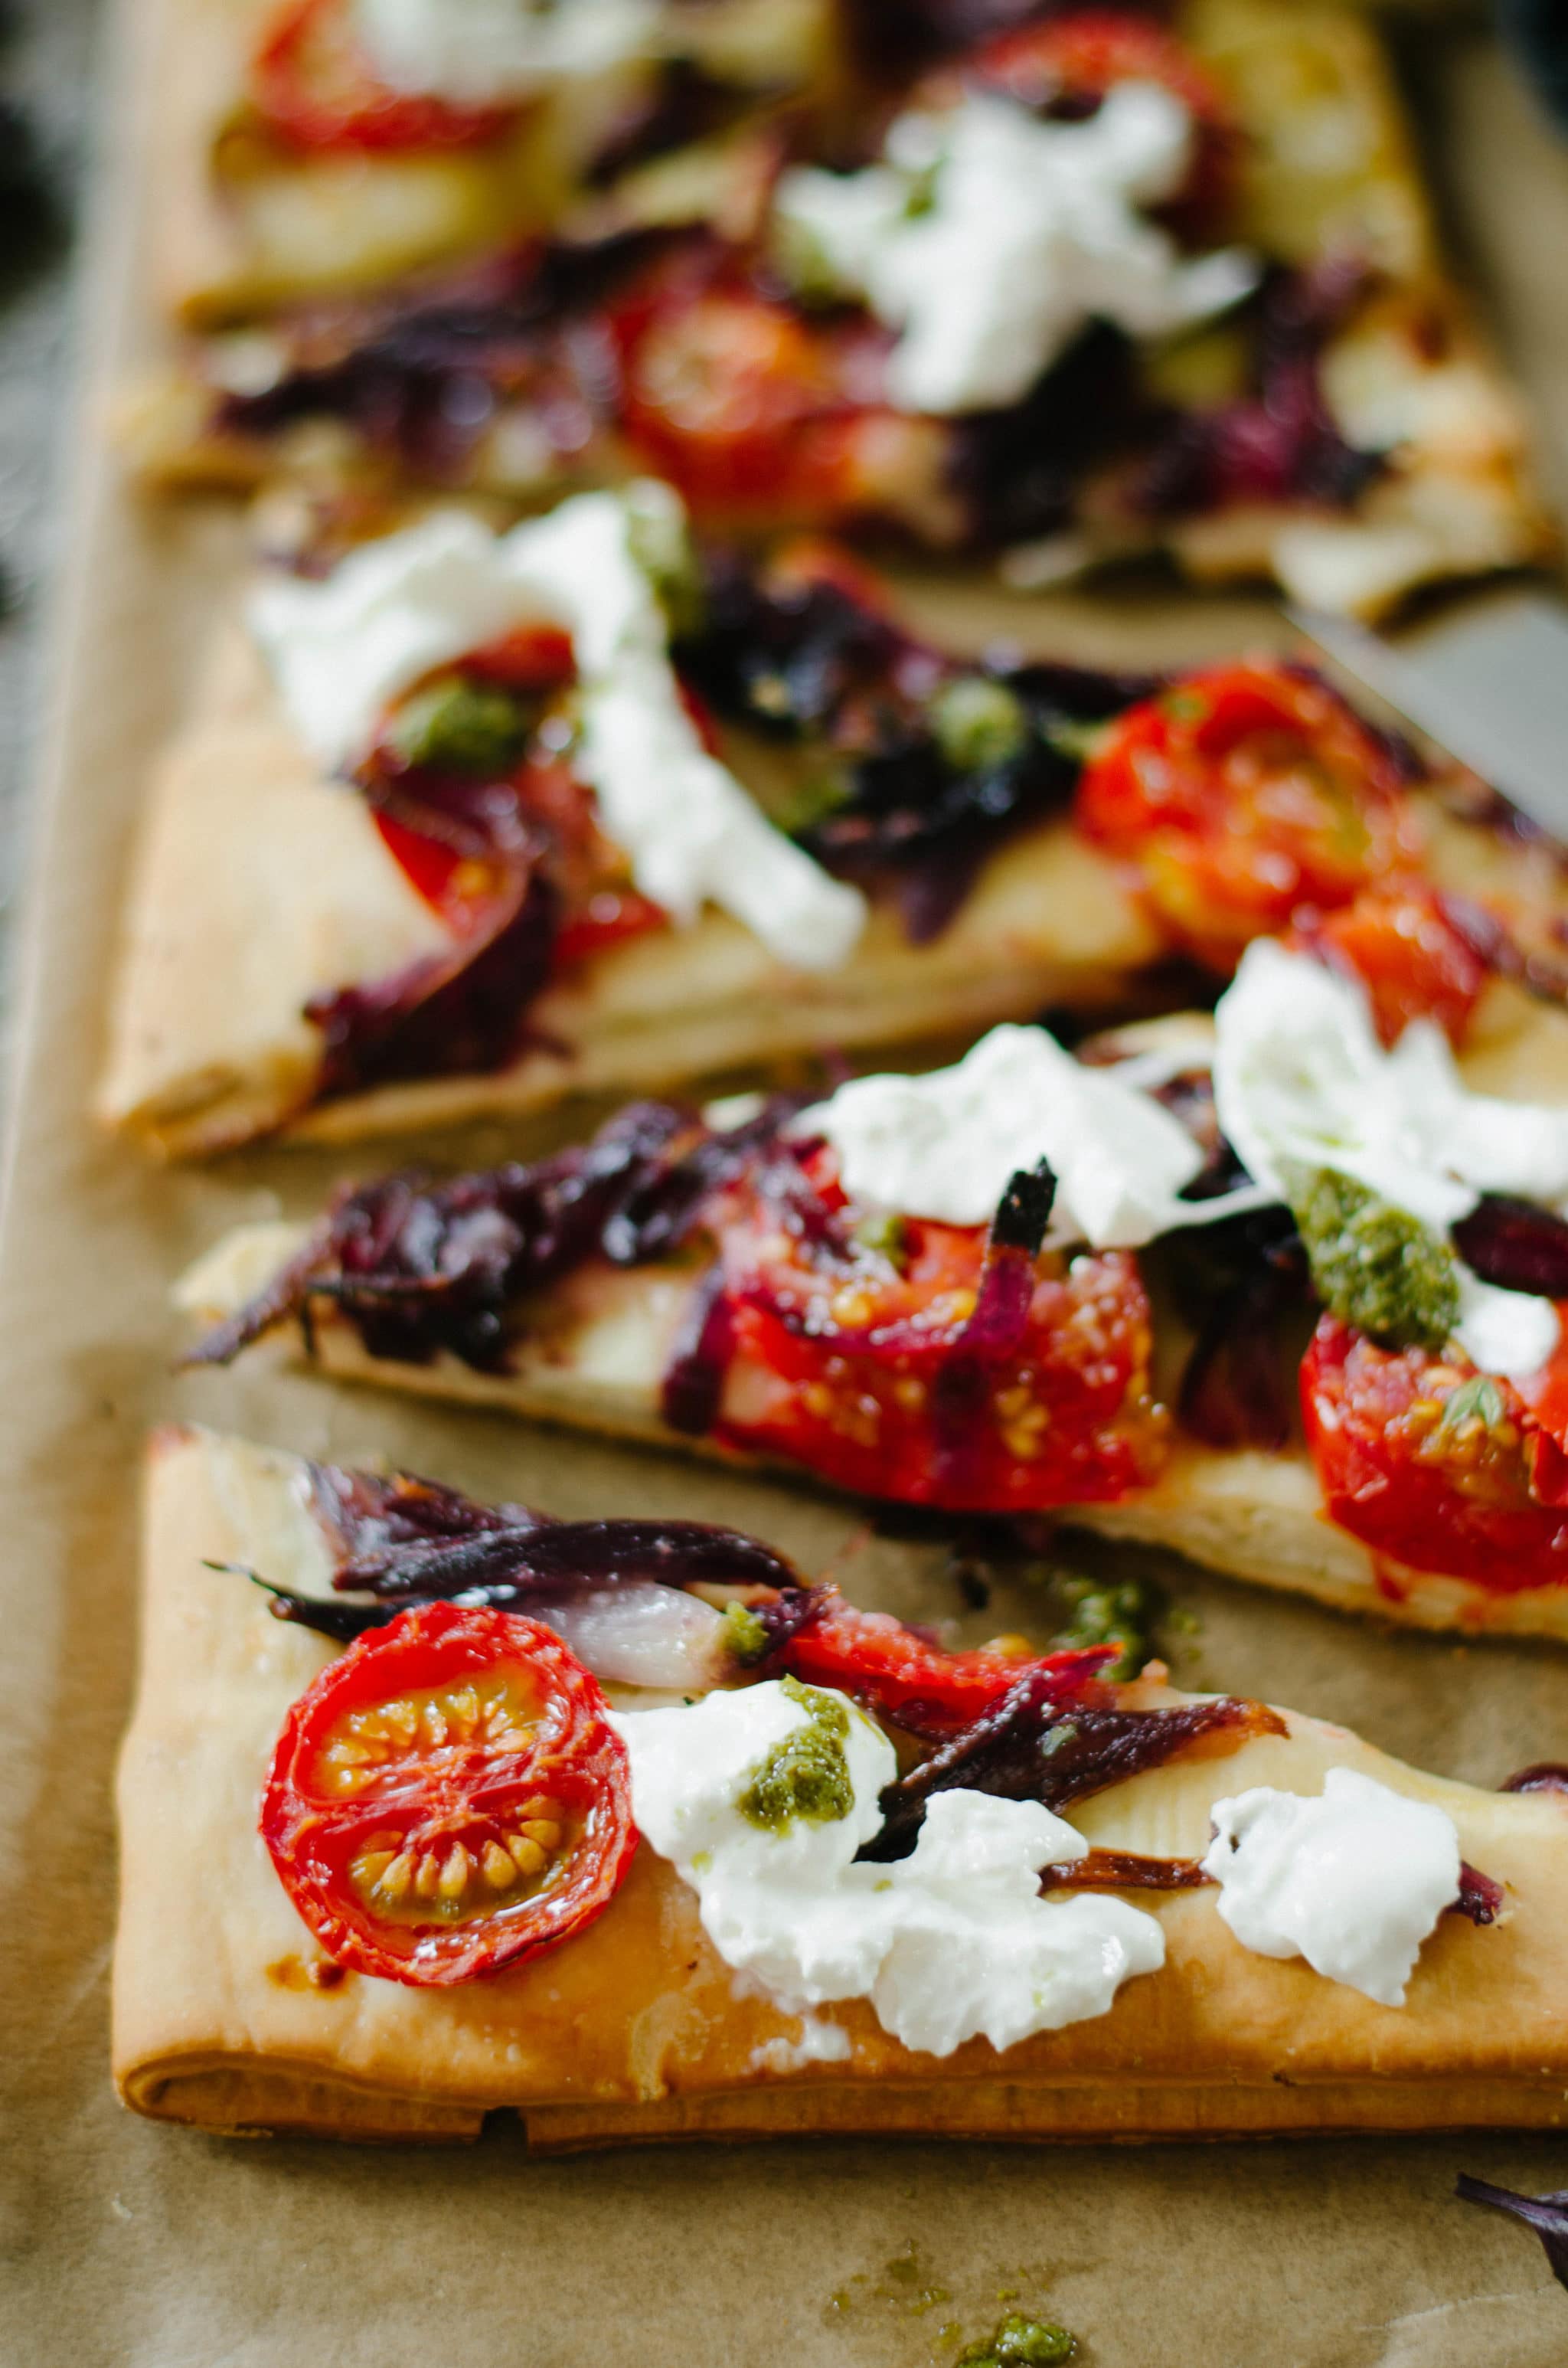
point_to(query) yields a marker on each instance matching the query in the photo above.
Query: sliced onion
(640, 1634)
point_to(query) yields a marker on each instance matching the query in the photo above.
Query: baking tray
(149, 2248)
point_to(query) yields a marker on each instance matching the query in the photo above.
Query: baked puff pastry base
(225, 2016)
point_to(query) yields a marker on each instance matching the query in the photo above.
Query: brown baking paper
(146, 2247)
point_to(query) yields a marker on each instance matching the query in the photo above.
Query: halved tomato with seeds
(849, 1356)
(1066, 67)
(450, 1798)
(1434, 1464)
(746, 407)
(1241, 795)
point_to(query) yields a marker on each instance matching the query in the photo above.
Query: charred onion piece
(371, 1511)
(459, 1013)
(1234, 1281)
(1280, 441)
(1480, 1899)
(1033, 1745)
(812, 655)
(420, 1267)
(1109, 1870)
(1542, 1776)
(1547, 2214)
(692, 1389)
(599, 1553)
(1001, 1315)
(1516, 1245)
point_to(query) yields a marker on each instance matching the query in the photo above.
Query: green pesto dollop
(746, 1635)
(1375, 1266)
(807, 1774)
(978, 722)
(1020, 2343)
(1122, 1615)
(459, 727)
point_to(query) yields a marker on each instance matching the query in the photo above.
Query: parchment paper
(148, 2248)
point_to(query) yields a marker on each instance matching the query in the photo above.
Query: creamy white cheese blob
(1353, 1880)
(341, 650)
(1300, 1080)
(482, 52)
(947, 1144)
(1025, 230)
(951, 1943)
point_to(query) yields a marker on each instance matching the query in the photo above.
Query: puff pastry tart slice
(317, 149)
(1103, 285)
(478, 821)
(623, 1827)
(1281, 1289)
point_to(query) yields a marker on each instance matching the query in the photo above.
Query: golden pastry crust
(633, 2030)
(261, 883)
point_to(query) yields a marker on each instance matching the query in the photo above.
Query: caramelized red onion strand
(1541, 1776)
(1035, 1746)
(1547, 2214)
(1516, 1245)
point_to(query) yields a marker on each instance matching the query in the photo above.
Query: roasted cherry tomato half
(744, 406)
(1429, 1463)
(1406, 950)
(843, 1349)
(1239, 796)
(448, 1797)
(314, 86)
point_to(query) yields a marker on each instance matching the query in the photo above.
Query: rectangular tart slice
(479, 821)
(282, 1964)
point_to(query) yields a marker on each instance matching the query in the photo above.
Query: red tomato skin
(881, 1661)
(1241, 795)
(580, 1760)
(840, 1362)
(1465, 1509)
(750, 411)
(298, 101)
(1403, 948)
